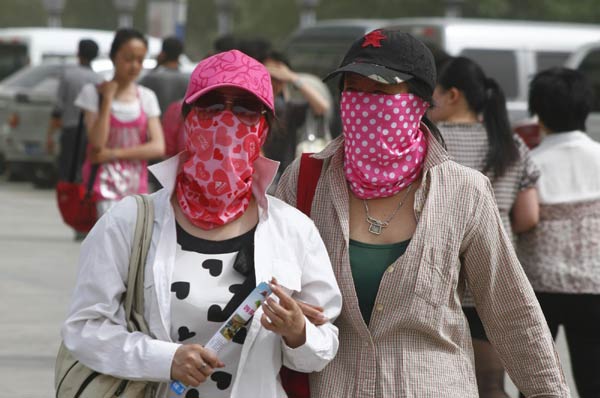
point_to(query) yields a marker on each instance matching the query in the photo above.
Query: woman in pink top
(123, 125)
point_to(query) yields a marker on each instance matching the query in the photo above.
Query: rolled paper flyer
(232, 325)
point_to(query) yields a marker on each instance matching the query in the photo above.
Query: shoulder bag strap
(94, 168)
(77, 149)
(134, 297)
(308, 178)
(295, 383)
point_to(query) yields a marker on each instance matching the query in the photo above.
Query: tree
(276, 19)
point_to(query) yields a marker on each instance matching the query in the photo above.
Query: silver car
(26, 101)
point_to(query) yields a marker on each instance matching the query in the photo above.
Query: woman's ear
(454, 95)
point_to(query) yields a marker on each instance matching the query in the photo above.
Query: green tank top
(368, 263)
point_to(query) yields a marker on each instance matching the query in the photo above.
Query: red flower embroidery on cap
(374, 39)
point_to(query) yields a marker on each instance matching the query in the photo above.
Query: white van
(587, 60)
(31, 46)
(509, 51)
(27, 96)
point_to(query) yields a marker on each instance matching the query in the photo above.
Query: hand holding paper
(193, 364)
(196, 363)
(284, 318)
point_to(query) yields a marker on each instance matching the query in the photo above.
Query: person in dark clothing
(291, 114)
(281, 145)
(65, 114)
(225, 43)
(257, 47)
(167, 81)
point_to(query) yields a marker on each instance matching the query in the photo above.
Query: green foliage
(379, 8)
(22, 13)
(276, 19)
(201, 27)
(89, 14)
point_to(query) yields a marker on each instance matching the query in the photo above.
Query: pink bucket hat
(231, 69)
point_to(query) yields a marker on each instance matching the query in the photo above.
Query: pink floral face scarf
(384, 148)
(214, 186)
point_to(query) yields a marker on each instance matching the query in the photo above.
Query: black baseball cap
(389, 56)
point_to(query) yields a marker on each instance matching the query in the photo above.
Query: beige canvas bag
(72, 379)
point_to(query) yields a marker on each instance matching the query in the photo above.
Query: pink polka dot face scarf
(384, 148)
(214, 186)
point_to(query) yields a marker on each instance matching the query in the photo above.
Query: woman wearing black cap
(406, 229)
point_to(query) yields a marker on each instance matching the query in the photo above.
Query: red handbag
(295, 383)
(76, 201)
(77, 205)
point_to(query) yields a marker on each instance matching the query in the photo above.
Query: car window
(30, 77)
(317, 58)
(549, 59)
(48, 86)
(319, 50)
(62, 58)
(12, 58)
(590, 67)
(500, 65)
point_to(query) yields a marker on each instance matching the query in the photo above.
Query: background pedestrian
(293, 114)
(66, 114)
(470, 111)
(561, 256)
(123, 125)
(167, 80)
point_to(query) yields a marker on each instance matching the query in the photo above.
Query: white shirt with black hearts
(204, 283)
(287, 246)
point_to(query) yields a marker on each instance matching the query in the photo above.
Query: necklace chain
(376, 226)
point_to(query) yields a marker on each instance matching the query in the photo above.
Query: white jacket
(287, 246)
(569, 164)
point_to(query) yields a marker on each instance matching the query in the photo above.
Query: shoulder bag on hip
(76, 201)
(72, 379)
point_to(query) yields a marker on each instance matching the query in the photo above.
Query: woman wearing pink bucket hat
(216, 235)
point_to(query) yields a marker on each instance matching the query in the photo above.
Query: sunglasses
(247, 109)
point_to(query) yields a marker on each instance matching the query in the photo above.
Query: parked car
(26, 102)
(509, 51)
(21, 47)
(587, 60)
(19, 94)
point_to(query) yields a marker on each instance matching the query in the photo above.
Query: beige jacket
(418, 343)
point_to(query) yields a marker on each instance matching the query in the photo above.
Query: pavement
(38, 264)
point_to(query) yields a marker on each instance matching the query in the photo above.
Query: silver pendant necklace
(376, 226)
